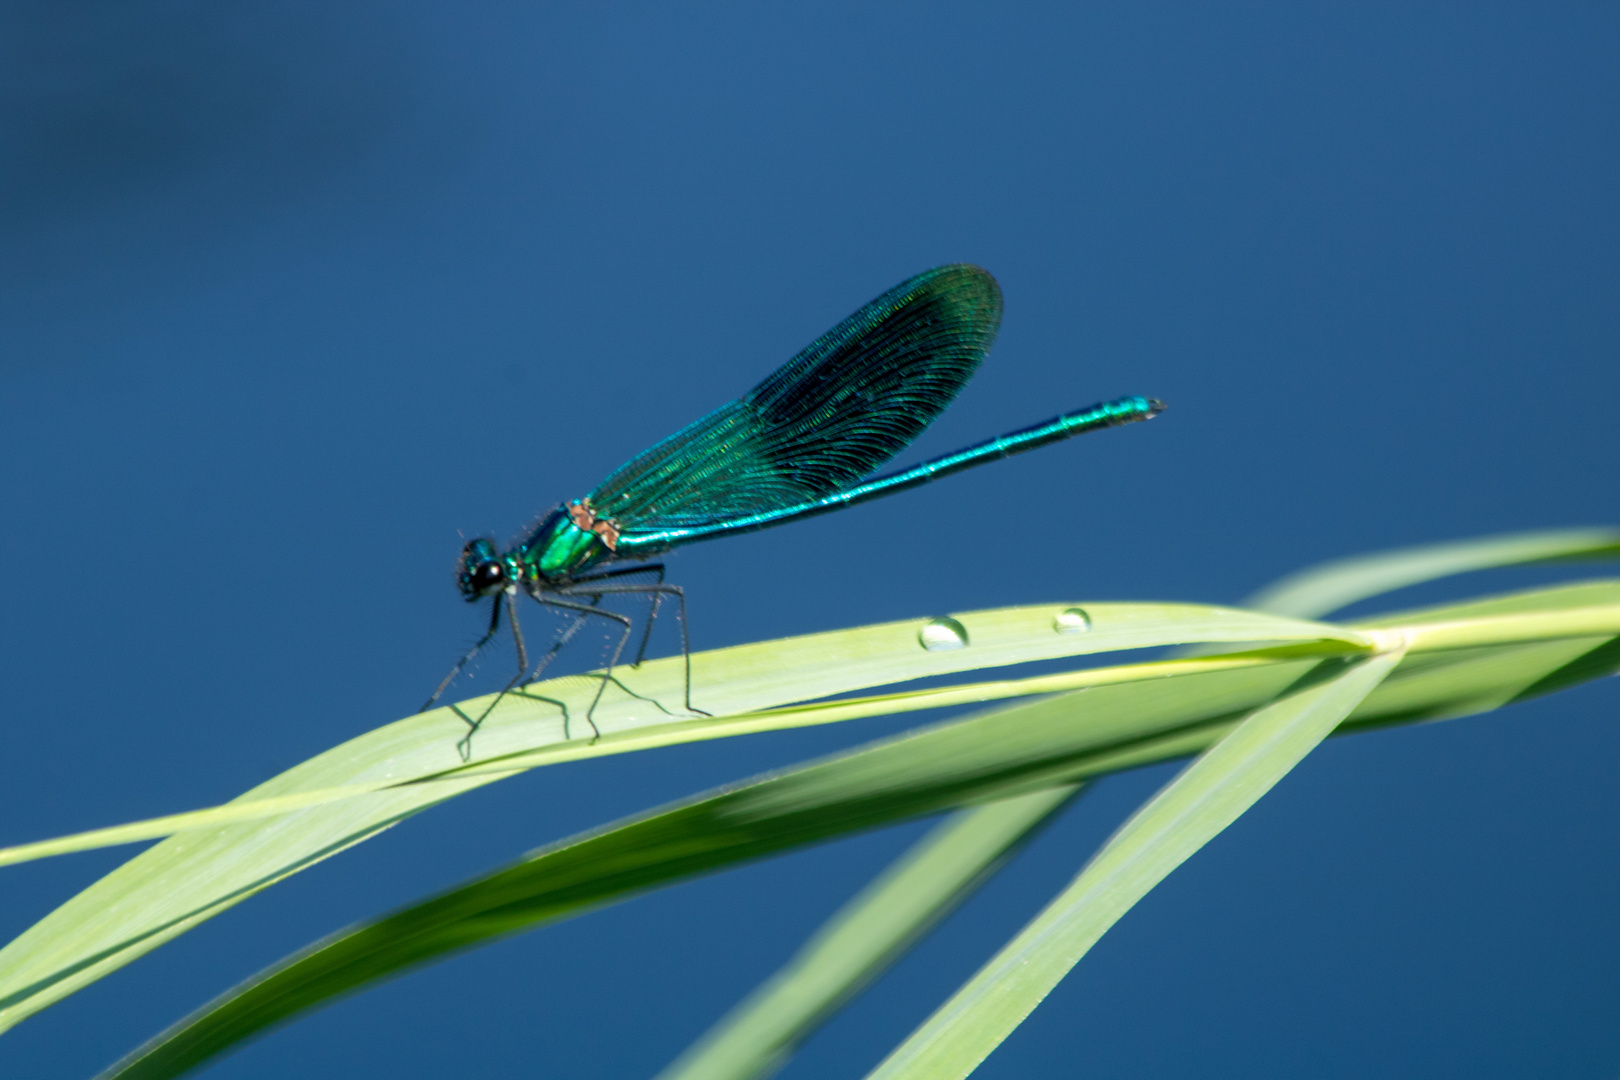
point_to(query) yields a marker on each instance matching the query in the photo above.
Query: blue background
(294, 295)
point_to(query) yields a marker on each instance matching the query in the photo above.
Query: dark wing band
(826, 419)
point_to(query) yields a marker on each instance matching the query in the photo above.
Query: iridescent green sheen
(841, 408)
(1108, 414)
(558, 549)
(800, 442)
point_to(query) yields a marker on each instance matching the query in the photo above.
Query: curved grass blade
(195, 875)
(1570, 596)
(1185, 815)
(1473, 676)
(762, 1032)
(1583, 595)
(1452, 670)
(1062, 739)
(1123, 626)
(865, 937)
(827, 712)
(1320, 590)
(1057, 740)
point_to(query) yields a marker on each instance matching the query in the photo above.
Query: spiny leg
(585, 609)
(652, 614)
(494, 625)
(517, 635)
(464, 747)
(562, 639)
(658, 589)
(646, 633)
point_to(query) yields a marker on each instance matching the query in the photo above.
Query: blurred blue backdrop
(294, 296)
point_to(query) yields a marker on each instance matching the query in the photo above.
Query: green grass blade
(1442, 678)
(1025, 748)
(653, 736)
(1602, 592)
(1204, 799)
(1320, 590)
(1169, 709)
(827, 712)
(1057, 740)
(865, 937)
(759, 1035)
(414, 764)
(1123, 626)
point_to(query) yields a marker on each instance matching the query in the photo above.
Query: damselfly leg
(657, 592)
(494, 626)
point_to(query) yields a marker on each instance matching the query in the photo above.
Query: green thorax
(570, 540)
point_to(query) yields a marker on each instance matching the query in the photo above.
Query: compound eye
(488, 574)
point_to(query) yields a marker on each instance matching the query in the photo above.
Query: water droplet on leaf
(940, 634)
(1072, 621)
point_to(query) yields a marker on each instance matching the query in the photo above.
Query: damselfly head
(482, 572)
